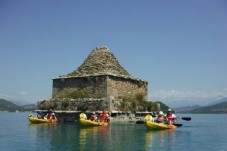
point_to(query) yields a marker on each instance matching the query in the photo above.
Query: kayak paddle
(186, 118)
(178, 125)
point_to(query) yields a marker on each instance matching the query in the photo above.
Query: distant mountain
(11, 107)
(8, 106)
(19, 102)
(29, 107)
(216, 108)
(186, 108)
(219, 101)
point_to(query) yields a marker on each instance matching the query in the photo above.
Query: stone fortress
(101, 84)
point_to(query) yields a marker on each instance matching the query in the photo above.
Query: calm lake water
(204, 132)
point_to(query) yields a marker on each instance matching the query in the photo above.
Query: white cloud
(178, 98)
(23, 93)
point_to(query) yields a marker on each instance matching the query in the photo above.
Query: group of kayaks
(83, 122)
(88, 123)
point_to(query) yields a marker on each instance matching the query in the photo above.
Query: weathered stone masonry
(103, 78)
(95, 85)
(122, 87)
(107, 87)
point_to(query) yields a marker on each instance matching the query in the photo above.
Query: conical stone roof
(101, 61)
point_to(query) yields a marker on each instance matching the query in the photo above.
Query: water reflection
(86, 134)
(52, 136)
(40, 135)
(159, 139)
(65, 136)
(93, 138)
(148, 139)
(37, 129)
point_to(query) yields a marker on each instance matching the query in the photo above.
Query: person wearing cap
(170, 116)
(161, 117)
(53, 116)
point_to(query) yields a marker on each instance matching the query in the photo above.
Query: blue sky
(178, 46)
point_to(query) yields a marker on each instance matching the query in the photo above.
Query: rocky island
(99, 83)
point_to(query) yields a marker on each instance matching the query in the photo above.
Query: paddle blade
(140, 122)
(178, 125)
(186, 118)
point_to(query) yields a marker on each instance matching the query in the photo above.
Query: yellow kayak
(158, 126)
(36, 120)
(88, 123)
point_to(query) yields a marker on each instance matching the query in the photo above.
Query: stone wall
(94, 85)
(108, 88)
(119, 87)
(101, 76)
(74, 104)
(102, 86)
(82, 105)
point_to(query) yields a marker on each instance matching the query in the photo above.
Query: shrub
(72, 93)
(136, 102)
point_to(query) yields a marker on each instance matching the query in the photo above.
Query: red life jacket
(170, 116)
(103, 116)
(49, 115)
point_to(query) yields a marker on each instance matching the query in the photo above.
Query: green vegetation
(151, 106)
(137, 103)
(11, 107)
(8, 106)
(72, 93)
(127, 103)
(46, 105)
(163, 107)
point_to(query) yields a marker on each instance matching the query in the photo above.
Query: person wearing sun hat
(170, 116)
(161, 117)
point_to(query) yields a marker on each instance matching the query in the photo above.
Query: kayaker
(161, 117)
(107, 117)
(39, 116)
(85, 116)
(49, 115)
(149, 117)
(94, 117)
(170, 116)
(103, 117)
(53, 117)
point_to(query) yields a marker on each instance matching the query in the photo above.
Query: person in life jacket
(170, 116)
(49, 114)
(161, 118)
(53, 117)
(104, 117)
(94, 117)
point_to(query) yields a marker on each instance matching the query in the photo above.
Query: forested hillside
(11, 107)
